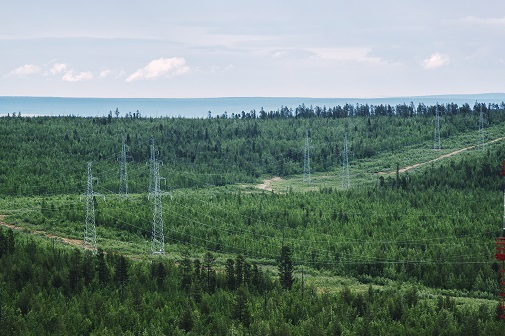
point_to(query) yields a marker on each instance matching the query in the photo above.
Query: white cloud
(58, 68)
(25, 70)
(104, 73)
(160, 68)
(436, 60)
(72, 76)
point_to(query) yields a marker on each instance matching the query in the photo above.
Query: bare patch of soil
(267, 184)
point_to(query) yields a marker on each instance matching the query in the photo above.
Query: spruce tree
(208, 262)
(230, 274)
(103, 271)
(241, 310)
(286, 268)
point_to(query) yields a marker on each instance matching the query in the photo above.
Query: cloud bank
(162, 67)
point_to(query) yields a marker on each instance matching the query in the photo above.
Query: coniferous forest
(407, 249)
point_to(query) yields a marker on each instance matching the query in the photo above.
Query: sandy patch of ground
(267, 184)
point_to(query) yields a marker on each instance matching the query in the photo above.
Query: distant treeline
(362, 110)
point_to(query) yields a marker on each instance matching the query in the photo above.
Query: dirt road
(73, 242)
(438, 158)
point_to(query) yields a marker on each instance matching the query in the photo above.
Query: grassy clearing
(365, 172)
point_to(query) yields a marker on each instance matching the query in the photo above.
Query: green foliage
(286, 268)
(411, 242)
(38, 303)
(241, 311)
(203, 152)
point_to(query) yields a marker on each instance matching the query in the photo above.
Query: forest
(407, 249)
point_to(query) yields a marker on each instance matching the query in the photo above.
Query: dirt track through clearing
(73, 242)
(438, 158)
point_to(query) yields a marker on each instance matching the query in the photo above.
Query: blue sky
(161, 48)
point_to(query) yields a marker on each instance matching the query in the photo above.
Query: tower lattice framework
(158, 238)
(89, 226)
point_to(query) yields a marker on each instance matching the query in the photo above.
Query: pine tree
(286, 268)
(241, 309)
(103, 272)
(230, 274)
(75, 272)
(187, 274)
(2, 243)
(197, 265)
(186, 322)
(121, 274)
(161, 273)
(239, 270)
(208, 262)
(9, 242)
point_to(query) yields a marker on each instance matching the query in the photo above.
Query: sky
(274, 48)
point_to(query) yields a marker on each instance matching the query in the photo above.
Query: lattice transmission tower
(123, 172)
(152, 159)
(481, 140)
(436, 137)
(306, 161)
(158, 238)
(346, 180)
(89, 226)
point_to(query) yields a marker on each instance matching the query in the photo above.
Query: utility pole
(306, 162)
(346, 181)
(158, 239)
(480, 144)
(436, 140)
(89, 226)
(123, 173)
